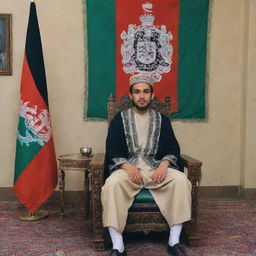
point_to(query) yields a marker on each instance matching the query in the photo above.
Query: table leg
(62, 189)
(86, 194)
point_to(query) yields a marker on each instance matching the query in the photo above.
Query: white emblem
(147, 7)
(38, 127)
(146, 48)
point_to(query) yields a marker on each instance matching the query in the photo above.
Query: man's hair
(150, 86)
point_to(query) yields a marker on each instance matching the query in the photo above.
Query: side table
(74, 162)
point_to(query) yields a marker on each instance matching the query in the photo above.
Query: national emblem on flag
(146, 48)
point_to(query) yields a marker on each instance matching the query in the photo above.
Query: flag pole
(33, 213)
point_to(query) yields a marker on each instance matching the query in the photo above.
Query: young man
(142, 151)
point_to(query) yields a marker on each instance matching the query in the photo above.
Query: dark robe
(122, 142)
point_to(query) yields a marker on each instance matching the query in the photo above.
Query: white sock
(117, 239)
(174, 237)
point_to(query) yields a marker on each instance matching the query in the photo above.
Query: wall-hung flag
(35, 166)
(166, 39)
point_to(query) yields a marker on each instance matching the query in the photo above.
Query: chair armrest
(97, 160)
(97, 169)
(194, 168)
(189, 161)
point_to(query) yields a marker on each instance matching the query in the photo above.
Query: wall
(250, 121)
(222, 143)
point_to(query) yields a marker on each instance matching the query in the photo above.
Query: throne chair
(144, 215)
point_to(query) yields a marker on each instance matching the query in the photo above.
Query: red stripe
(166, 13)
(38, 181)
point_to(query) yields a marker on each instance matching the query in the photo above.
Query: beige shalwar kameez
(173, 195)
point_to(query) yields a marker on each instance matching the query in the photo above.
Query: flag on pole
(166, 39)
(35, 175)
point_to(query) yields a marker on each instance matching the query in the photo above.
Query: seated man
(142, 151)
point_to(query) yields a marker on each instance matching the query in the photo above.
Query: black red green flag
(166, 39)
(35, 165)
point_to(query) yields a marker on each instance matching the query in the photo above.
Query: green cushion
(144, 196)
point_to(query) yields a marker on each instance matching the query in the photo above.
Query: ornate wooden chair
(144, 215)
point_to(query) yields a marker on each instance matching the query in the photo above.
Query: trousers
(173, 196)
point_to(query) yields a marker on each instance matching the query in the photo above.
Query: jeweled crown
(147, 19)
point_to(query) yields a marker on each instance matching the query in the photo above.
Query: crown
(140, 78)
(147, 19)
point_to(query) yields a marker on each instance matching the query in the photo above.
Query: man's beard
(142, 107)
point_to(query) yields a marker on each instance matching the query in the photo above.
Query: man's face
(141, 96)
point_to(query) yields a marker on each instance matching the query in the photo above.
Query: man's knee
(116, 179)
(181, 179)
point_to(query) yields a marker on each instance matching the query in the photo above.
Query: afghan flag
(35, 165)
(166, 39)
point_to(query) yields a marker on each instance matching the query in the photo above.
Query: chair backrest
(125, 102)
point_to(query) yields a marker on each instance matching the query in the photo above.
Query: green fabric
(24, 153)
(192, 59)
(144, 196)
(101, 55)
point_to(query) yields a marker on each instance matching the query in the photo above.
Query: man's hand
(133, 172)
(160, 172)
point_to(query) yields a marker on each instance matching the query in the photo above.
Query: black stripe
(34, 53)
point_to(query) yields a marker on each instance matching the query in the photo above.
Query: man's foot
(176, 250)
(115, 252)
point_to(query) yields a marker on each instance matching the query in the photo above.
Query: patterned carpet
(227, 227)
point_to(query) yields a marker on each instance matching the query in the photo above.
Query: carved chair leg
(100, 237)
(62, 189)
(192, 226)
(86, 194)
(101, 240)
(191, 234)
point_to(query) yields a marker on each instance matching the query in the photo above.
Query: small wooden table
(74, 162)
